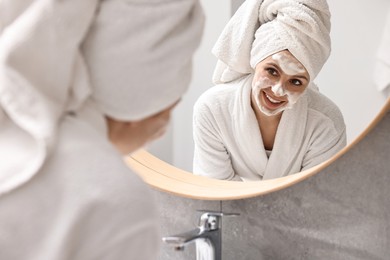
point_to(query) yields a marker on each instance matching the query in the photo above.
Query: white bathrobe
(228, 142)
(83, 204)
(65, 191)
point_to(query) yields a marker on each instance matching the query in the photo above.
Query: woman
(77, 91)
(265, 118)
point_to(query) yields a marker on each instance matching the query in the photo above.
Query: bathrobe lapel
(289, 138)
(247, 133)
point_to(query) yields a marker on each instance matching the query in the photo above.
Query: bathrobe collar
(246, 129)
(289, 136)
(288, 141)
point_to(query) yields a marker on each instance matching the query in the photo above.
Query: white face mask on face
(278, 90)
(290, 67)
(288, 64)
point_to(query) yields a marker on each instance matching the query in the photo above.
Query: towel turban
(261, 28)
(135, 78)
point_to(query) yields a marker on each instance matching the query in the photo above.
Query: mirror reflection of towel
(261, 28)
(382, 66)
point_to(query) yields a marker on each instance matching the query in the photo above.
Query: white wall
(176, 147)
(217, 13)
(346, 78)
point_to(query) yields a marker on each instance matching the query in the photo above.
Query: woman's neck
(268, 125)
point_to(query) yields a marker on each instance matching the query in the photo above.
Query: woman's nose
(278, 89)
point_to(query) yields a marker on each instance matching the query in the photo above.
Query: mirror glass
(347, 77)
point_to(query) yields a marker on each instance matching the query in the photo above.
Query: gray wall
(342, 212)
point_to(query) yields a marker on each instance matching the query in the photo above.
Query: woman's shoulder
(324, 109)
(219, 95)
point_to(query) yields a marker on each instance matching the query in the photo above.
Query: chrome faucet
(207, 236)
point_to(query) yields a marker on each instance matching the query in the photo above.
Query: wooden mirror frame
(167, 178)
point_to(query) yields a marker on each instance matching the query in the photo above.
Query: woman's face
(279, 81)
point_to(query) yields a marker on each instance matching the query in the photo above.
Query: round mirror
(347, 78)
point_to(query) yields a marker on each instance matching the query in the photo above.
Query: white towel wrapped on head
(261, 28)
(135, 78)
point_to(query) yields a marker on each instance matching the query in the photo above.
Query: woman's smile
(271, 102)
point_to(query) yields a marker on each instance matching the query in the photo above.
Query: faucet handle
(217, 213)
(210, 220)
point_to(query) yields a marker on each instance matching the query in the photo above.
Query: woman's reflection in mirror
(265, 118)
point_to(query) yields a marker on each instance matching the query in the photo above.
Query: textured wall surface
(342, 212)
(180, 215)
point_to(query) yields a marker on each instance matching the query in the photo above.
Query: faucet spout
(207, 237)
(208, 243)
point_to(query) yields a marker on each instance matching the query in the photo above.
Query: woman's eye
(296, 82)
(272, 71)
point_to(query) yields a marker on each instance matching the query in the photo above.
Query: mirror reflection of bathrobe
(228, 142)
